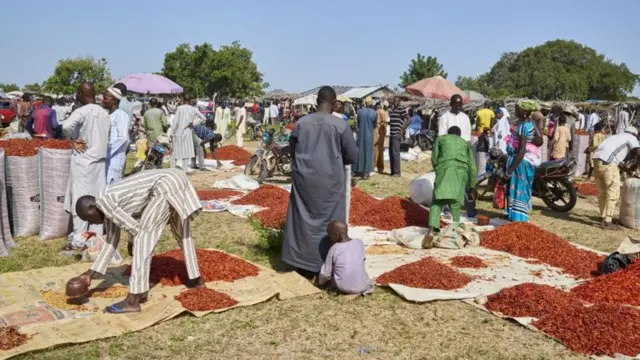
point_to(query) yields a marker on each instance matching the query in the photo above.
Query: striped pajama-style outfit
(158, 197)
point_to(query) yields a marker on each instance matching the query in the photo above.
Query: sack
(421, 189)
(94, 245)
(6, 240)
(630, 204)
(456, 236)
(23, 194)
(498, 196)
(53, 165)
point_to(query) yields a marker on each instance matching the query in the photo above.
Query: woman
(501, 129)
(523, 157)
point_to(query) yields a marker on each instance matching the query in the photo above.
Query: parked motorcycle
(424, 139)
(552, 181)
(155, 155)
(270, 159)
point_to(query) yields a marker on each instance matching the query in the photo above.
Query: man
(223, 116)
(592, 120)
(367, 122)
(202, 135)
(581, 120)
(62, 110)
(118, 136)
(181, 133)
(273, 113)
(338, 112)
(125, 104)
(23, 111)
(154, 121)
(455, 167)
(142, 205)
(91, 124)
(610, 155)
(485, 117)
(539, 117)
(320, 145)
(455, 117)
(622, 122)
(43, 121)
(379, 137)
(241, 123)
(415, 124)
(398, 121)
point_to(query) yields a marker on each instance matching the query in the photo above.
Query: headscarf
(501, 129)
(528, 105)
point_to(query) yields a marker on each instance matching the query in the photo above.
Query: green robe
(154, 123)
(455, 167)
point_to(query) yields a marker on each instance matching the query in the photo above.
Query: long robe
(455, 167)
(223, 116)
(380, 135)
(367, 121)
(87, 173)
(321, 145)
(182, 136)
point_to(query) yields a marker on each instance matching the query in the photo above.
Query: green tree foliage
(69, 73)
(34, 88)
(202, 70)
(558, 69)
(421, 67)
(8, 87)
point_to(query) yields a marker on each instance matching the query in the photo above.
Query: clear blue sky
(300, 44)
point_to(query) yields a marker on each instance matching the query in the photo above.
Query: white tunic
(182, 136)
(460, 120)
(87, 173)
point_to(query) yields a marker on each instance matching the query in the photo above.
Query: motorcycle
(270, 159)
(155, 155)
(424, 140)
(552, 181)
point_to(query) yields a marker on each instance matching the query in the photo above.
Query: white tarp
(306, 100)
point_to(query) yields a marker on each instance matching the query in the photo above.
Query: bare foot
(427, 241)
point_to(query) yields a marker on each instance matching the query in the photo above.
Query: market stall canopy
(14, 94)
(475, 96)
(150, 84)
(436, 87)
(343, 98)
(3, 96)
(306, 100)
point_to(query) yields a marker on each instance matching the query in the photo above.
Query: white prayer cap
(115, 92)
(631, 130)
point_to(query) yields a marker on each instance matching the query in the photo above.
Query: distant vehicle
(7, 111)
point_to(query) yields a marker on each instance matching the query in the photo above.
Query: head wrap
(528, 105)
(115, 92)
(368, 100)
(504, 111)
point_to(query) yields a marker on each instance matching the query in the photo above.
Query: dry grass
(324, 326)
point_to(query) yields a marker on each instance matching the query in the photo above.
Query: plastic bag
(421, 189)
(498, 196)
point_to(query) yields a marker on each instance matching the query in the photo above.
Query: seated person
(344, 266)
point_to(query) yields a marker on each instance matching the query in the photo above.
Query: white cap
(631, 130)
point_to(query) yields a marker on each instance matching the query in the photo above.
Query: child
(598, 136)
(344, 266)
(561, 139)
(455, 166)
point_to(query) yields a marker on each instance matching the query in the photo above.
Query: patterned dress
(521, 182)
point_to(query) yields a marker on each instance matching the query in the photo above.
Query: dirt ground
(326, 326)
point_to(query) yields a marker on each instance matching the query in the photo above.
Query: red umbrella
(436, 87)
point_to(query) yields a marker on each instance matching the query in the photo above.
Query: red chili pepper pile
(10, 338)
(621, 288)
(56, 144)
(217, 194)
(19, 147)
(239, 155)
(601, 329)
(587, 189)
(169, 269)
(468, 262)
(426, 273)
(264, 196)
(394, 212)
(360, 203)
(531, 300)
(529, 241)
(204, 299)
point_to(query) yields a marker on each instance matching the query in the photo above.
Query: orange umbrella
(436, 87)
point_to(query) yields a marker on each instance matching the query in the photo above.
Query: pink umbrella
(150, 84)
(436, 87)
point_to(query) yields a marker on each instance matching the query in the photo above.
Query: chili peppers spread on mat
(203, 299)
(272, 197)
(10, 338)
(587, 189)
(531, 300)
(601, 329)
(220, 194)
(529, 241)
(621, 287)
(239, 155)
(468, 262)
(168, 268)
(426, 273)
(360, 202)
(394, 212)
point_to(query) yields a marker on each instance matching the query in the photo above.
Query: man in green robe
(454, 165)
(154, 121)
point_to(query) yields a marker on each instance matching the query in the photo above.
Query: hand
(79, 145)
(471, 194)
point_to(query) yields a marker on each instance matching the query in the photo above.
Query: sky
(301, 44)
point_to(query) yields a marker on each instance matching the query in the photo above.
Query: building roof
(349, 91)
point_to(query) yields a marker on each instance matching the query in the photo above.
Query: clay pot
(483, 220)
(76, 288)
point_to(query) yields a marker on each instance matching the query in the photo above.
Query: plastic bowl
(76, 288)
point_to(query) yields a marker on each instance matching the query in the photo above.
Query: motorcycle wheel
(251, 167)
(565, 188)
(264, 171)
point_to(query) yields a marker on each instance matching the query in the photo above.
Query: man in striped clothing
(398, 122)
(142, 205)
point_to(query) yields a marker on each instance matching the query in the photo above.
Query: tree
(9, 87)
(421, 67)
(478, 84)
(69, 73)
(34, 88)
(203, 70)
